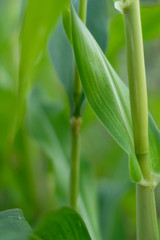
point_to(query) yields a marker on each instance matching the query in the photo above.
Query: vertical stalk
(74, 177)
(77, 82)
(137, 84)
(75, 124)
(147, 227)
(83, 10)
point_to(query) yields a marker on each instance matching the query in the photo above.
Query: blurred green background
(34, 171)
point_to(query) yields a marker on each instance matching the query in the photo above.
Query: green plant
(107, 95)
(39, 138)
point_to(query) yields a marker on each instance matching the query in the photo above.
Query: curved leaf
(13, 225)
(60, 50)
(109, 97)
(106, 93)
(134, 168)
(63, 224)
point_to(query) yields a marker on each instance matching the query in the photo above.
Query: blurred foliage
(34, 172)
(64, 224)
(19, 230)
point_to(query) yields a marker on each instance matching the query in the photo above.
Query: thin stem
(74, 177)
(76, 123)
(147, 226)
(77, 91)
(137, 84)
(77, 81)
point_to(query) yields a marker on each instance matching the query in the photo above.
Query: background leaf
(40, 18)
(63, 224)
(7, 108)
(97, 21)
(13, 225)
(62, 58)
(111, 194)
(43, 127)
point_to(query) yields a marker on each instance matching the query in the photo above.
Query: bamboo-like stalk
(137, 84)
(147, 227)
(74, 176)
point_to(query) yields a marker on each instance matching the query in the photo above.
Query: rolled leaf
(106, 93)
(109, 97)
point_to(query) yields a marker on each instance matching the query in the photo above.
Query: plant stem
(76, 123)
(147, 227)
(83, 10)
(137, 84)
(77, 81)
(74, 177)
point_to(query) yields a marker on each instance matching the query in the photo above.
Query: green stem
(83, 10)
(77, 92)
(137, 83)
(74, 176)
(147, 226)
(75, 124)
(77, 81)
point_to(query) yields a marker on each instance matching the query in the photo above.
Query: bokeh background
(34, 171)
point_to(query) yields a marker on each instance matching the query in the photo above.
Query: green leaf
(62, 58)
(60, 50)
(150, 23)
(88, 191)
(67, 23)
(13, 225)
(149, 3)
(63, 224)
(106, 93)
(134, 168)
(108, 96)
(41, 129)
(39, 20)
(7, 108)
